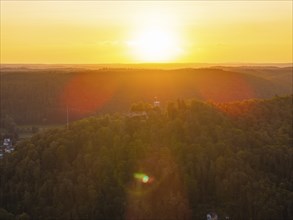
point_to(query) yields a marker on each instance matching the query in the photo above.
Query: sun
(155, 45)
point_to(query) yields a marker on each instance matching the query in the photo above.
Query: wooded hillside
(175, 163)
(42, 97)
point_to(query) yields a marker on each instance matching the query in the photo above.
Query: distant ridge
(142, 65)
(109, 90)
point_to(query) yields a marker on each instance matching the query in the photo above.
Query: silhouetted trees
(234, 159)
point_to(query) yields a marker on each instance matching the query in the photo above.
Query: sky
(90, 32)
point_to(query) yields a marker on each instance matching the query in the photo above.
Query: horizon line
(154, 63)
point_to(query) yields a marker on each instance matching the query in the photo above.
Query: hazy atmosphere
(146, 31)
(146, 110)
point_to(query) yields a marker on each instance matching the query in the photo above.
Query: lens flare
(156, 190)
(88, 92)
(142, 177)
(145, 179)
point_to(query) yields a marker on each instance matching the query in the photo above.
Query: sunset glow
(154, 45)
(134, 32)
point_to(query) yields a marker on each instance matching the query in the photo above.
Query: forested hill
(281, 76)
(43, 96)
(179, 163)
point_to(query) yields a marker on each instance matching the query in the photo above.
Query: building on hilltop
(156, 102)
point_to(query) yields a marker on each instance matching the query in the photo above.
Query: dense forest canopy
(178, 162)
(43, 96)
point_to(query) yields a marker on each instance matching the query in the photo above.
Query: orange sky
(129, 32)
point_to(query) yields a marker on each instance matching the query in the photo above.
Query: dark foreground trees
(234, 159)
